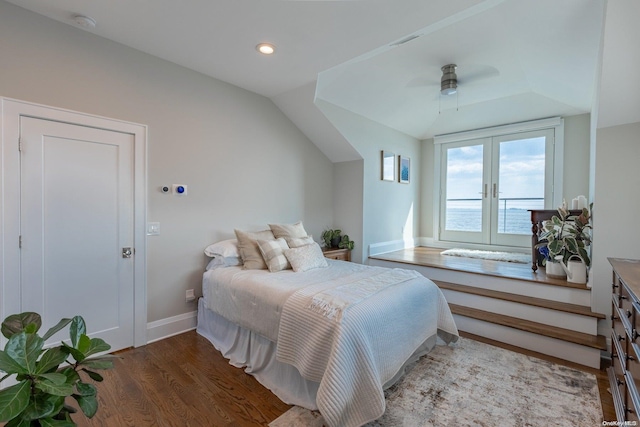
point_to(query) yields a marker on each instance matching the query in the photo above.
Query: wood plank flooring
(184, 381)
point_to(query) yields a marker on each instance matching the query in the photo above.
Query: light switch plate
(153, 229)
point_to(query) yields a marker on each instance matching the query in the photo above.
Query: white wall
(244, 162)
(390, 210)
(616, 206)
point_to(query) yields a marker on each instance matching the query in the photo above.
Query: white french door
(488, 185)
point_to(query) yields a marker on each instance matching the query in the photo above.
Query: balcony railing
(513, 218)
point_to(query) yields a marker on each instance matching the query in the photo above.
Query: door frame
(11, 111)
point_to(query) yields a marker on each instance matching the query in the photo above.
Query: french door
(488, 185)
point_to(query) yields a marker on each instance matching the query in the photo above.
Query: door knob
(127, 252)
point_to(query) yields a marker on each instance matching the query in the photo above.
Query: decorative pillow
(306, 257)
(224, 248)
(288, 230)
(273, 254)
(248, 248)
(220, 262)
(296, 242)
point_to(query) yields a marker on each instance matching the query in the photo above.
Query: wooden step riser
(546, 316)
(502, 284)
(583, 355)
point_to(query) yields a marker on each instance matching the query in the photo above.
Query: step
(571, 352)
(533, 289)
(547, 316)
(593, 341)
(521, 299)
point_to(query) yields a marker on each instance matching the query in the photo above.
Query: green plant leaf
(41, 407)
(54, 377)
(88, 404)
(18, 422)
(17, 323)
(94, 375)
(77, 329)
(97, 364)
(10, 366)
(50, 422)
(24, 349)
(84, 342)
(64, 389)
(85, 389)
(61, 324)
(52, 358)
(75, 353)
(13, 400)
(71, 374)
(96, 345)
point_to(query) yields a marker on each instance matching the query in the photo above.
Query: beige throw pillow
(248, 248)
(273, 254)
(288, 230)
(296, 242)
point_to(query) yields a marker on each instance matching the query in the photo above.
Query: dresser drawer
(633, 399)
(617, 387)
(619, 348)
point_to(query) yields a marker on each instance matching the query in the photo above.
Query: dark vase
(335, 242)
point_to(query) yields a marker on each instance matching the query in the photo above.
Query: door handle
(127, 252)
(495, 190)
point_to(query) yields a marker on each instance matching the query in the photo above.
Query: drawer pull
(619, 381)
(614, 317)
(623, 297)
(621, 338)
(635, 334)
(630, 357)
(629, 313)
(613, 355)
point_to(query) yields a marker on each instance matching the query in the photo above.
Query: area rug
(476, 384)
(490, 255)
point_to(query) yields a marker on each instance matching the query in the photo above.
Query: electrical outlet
(189, 295)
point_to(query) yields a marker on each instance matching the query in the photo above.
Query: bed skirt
(257, 354)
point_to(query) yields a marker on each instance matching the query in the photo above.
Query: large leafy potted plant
(566, 237)
(46, 377)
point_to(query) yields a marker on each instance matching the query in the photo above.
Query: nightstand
(336, 253)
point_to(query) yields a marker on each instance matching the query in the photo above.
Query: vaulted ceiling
(517, 59)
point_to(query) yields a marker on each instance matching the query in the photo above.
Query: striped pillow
(273, 254)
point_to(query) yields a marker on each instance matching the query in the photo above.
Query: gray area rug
(490, 255)
(476, 384)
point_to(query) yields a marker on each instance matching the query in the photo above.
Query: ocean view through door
(489, 184)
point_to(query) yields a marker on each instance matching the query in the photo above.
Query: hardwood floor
(181, 381)
(184, 381)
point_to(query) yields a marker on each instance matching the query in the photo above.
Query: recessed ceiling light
(266, 48)
(84, 21)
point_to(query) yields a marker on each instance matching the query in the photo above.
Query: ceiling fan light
(449, 81)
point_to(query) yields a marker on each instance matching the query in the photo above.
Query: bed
(331, 337)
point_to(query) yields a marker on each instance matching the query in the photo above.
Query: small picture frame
(387, 166)
(404, 169)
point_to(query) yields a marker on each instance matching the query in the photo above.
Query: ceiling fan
(449, 81)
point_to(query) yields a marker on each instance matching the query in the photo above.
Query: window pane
(521, 178)
(464, 188)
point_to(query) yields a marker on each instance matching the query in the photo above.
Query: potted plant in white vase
(565, 240)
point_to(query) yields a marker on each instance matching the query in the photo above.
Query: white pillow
(248, 248)
(288, 230)
(224, 248)
(296, 242)
(220, 262)
(273, 254)
(306, 257)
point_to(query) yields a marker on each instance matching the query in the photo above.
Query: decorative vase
(335, 242)
(555, 270)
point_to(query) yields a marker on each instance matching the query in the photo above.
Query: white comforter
(348, 327)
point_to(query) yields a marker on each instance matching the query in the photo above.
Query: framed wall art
(404, 168)
(387, 166)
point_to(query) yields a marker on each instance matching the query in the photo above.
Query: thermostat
(180, 189)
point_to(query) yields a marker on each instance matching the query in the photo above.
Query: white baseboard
(165, 328)
(393, 245)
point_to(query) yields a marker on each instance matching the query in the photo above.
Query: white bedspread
(357, 339)
(348, 327)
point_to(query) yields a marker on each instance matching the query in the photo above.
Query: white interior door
(76, 216)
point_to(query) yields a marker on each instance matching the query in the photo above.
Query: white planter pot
(555, 270)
